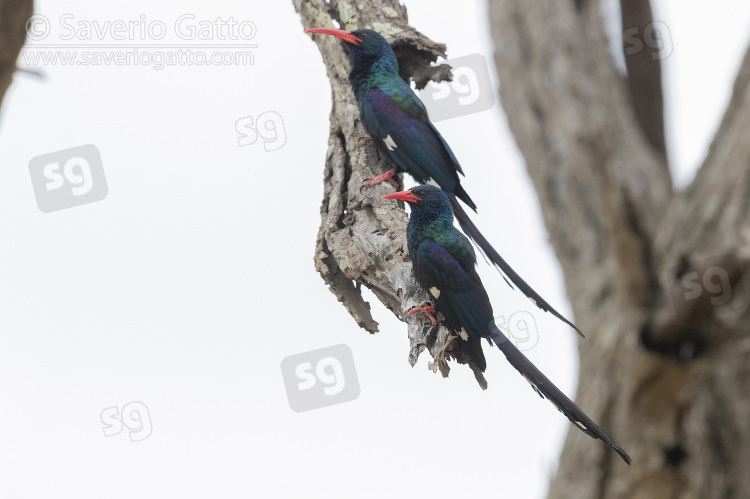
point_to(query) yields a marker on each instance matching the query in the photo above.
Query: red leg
(427, 310)
(367, 139)
(386, 176)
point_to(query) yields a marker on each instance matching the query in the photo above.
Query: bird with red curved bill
(444, 263)
(397, 123)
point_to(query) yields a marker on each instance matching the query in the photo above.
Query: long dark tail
(545, 388)
(464, 196)
(472, 232)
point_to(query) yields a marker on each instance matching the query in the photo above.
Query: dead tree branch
(13, 17)
(644, 72)
(362, 239)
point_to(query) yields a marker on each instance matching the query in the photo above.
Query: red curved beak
(403, 196)
(338, 33)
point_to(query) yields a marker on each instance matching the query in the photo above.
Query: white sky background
(193, 279)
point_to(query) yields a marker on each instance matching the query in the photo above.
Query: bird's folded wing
(412, 142)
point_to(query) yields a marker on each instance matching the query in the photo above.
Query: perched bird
(397, 122)
(444, 265)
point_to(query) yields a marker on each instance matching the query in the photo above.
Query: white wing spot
(532, 300)
(431, 181)
(390, 143)
(581, 425)
(435, 292)
(463, 334)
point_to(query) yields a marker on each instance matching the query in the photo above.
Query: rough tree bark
(362, 238)
(13, 17)
(666, 375)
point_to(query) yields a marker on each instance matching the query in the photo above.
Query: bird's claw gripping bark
(380, 178)
(367, 139)
(427, 310)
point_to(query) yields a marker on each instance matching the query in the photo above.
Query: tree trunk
(13, 17)
(657, 277)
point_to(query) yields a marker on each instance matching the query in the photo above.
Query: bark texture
(13, 17)
(362, 239)
(663, 370)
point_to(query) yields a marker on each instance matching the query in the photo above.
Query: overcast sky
(183, 287)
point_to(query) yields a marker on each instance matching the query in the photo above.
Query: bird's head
(427, 202)
(365, 48)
